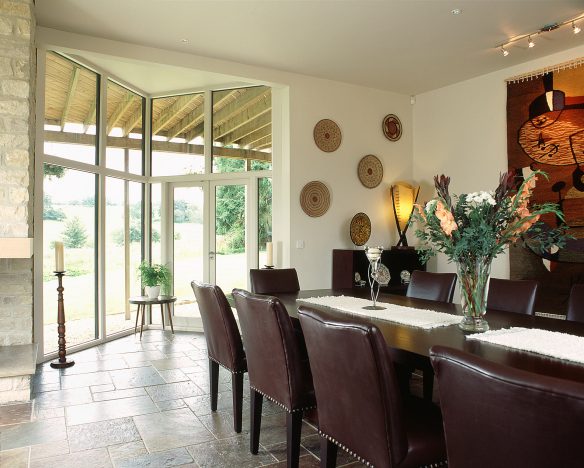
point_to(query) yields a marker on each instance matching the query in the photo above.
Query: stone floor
(131, 403)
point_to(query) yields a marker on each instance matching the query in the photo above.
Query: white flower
(478, 198)
(430, 205)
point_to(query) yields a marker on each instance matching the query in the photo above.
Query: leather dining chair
(497, 416)
(576, 303)
(360, 406)
(512, 295)
(224, 345)
(277, 369)
(272, 281)
(432, 286)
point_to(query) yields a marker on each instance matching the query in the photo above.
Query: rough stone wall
(17, 129)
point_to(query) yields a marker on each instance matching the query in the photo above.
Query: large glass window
(124, 129)
(242, 129)
(264, 218)
(69, 214)
(178, 135)
(71, 102)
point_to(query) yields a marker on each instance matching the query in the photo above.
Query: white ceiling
(406, 46)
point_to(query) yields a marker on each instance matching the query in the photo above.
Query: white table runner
(421, 318)
(548, 343)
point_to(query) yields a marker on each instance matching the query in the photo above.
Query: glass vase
(473, 276)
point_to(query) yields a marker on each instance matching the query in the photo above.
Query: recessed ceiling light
(456, 11)
(184, 40)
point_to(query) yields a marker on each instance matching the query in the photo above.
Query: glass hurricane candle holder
(374, 256)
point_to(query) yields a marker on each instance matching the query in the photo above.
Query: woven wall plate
(392, 127)
(360, 229)
(327, 135)
(315, 198)
(370, 171)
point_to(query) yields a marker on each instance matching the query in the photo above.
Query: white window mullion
(101, 205)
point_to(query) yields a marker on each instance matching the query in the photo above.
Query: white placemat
(549, 343)
(421, 318)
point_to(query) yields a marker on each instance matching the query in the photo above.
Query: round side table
(143, 301)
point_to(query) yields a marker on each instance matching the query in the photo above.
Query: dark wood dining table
(419, 341)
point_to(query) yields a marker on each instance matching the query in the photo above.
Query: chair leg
(428, 384)
(293, 430)
(255, 420)
(237, 390)
(328, 453)
(213, 383)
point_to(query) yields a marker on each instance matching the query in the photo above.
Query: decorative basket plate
(315, 198)
(383, 277)
(370, 171)
(327, 135)
(360, 229)
(392, 127)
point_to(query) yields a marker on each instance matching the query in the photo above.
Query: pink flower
(447, 222)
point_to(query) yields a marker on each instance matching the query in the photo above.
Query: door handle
(211, 255)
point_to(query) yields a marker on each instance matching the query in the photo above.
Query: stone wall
(17, 129)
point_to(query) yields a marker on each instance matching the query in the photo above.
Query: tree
(53, 171)
(50, 212)
(74, 235)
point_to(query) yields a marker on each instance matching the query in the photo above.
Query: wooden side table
(143, 301)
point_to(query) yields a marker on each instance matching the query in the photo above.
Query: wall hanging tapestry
(545, 131)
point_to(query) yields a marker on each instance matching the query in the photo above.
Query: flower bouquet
(473, 228)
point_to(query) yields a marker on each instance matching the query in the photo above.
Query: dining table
(418, 341)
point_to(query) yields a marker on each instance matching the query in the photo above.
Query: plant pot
(152, 291)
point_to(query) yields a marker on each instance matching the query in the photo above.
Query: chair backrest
(512, 295)
(576, 303)
(357, 394)
(432, 286)
(498, 416)
(223, 339)
(272, 281)
(272, 349)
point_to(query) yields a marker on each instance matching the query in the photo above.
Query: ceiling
(406, 46)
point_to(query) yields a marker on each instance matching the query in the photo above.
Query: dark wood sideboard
(348, 262)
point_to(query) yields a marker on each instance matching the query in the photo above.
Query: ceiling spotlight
(530, 42)
(504, 51)
(575, 28)
(184, 41)
(456, 11)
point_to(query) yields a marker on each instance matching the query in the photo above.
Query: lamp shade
(403, 196)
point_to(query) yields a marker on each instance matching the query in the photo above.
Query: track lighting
(575, 28)
(530, 42)
(504, 51)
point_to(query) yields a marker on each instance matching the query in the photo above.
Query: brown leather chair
(576, 303)
(224, 345)
(360, 407)
(512, 295)
(277, 370)
(497, 416)
(432, 286)
(272, 281)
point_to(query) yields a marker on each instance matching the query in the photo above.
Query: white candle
(269, 254)
(59, 257)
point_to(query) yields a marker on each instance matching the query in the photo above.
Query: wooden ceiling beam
(256, 136)
(90, 119)
(178, 106)
(264, 142)
(120, 110)
(69, 97)
(192, 118)
(132, 121)
(247, 129)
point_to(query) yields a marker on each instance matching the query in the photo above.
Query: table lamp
(403, 197)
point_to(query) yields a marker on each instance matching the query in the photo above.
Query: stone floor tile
(279, 451)
(106, 364)
(15, 414)
(15, 458)
(173, 363)
(48, 387)
(112, 409)
(312, 444)
(173, 375)
(102, 388)
(142, 356)
(171, 429)
(127, 450)
(85, 380)
(168, 405)
(173, 391)
(60, 398)
(229, 453)
(201, 405)
(307, 461)
(49, 413)
(176, 354)
(174, 457)
(273, 429)
(32, 433)
(102, 434)
(49, 450)
(136, 377)
(220, 423)
(117, 394)
(98, 458)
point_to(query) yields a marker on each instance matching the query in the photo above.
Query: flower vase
(473, 276)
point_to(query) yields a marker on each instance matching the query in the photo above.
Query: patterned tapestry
(545, 131)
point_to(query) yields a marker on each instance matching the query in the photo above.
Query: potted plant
(154, 277)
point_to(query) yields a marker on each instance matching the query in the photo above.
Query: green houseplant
(154, 278)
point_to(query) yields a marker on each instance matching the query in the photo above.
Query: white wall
(460, 130)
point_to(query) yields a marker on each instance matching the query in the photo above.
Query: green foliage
(265, 210)
(154, 275)
(50, 212)
(230, 217)
(53, 171)
(74, 235)
(186, 213)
